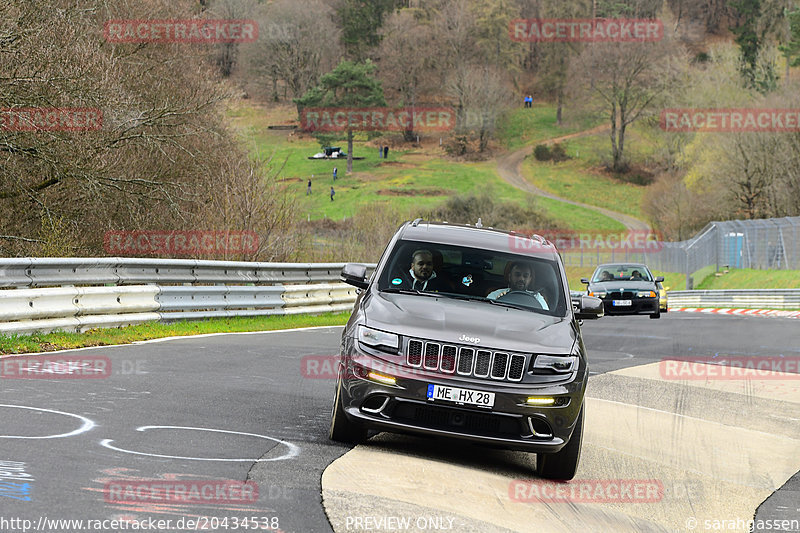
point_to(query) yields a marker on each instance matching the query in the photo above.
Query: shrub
(558, 154)
(541, 152)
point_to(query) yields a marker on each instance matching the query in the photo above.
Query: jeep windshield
(528, 282)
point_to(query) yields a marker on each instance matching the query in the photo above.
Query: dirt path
(508, 168)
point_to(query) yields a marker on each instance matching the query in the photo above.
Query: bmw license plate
(622, 302)
(464, 396)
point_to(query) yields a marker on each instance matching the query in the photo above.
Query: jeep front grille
(482, 360)
(465, 361)
(414, 353)
(431, 356)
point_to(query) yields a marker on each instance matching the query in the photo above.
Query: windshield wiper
(513, 306)
(484, 299)
(395, 290)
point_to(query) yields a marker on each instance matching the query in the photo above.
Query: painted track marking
(294, 450)
(87, 424)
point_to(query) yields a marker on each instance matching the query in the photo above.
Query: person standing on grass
(334, 173)
(332, 193)
(386, 152)
(308, 190)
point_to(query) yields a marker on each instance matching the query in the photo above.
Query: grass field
(47, 342)
(752, 279)
(410, 180)
(529, 126)
(576, 180)
(583, 179)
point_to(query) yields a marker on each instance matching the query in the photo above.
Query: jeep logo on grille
(474, 340)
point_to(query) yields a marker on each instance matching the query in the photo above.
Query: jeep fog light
(380, 378)
(547, 401)
(378, 339)
(540, 400)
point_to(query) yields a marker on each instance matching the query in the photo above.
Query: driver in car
(520, 277)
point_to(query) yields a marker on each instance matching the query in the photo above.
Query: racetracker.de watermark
(56, 367)
(587, 491)
(51, 119)
(365, 367)
(184, 492)
(338, 119)
(178, 243)
(730, 368)
(631, 241)
(181, 31)
(586, 30)
(731, 120)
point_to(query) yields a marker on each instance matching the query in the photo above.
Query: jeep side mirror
(589, 308)
(660, 279)
(355, 274)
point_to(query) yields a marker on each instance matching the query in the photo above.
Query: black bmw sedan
(626, 289)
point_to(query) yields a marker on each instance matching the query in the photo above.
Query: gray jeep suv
(466, 332)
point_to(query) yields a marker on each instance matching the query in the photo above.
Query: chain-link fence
(772, 243)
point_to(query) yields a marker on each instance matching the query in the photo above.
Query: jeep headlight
(555, 364)
(381, 340)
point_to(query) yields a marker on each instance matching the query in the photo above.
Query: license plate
(622, 302)
(465, 396)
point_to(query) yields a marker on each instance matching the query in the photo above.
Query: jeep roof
(483, 237)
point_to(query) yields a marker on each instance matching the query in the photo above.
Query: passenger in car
(421, 276)
(520, 276)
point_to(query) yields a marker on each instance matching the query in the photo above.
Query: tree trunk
(349, 151)
(614, 150)
(560, 105)
(408, 135)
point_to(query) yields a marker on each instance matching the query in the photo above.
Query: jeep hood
(446, 319)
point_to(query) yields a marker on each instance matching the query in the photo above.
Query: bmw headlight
(381, 340)
(598, 294)
(645, 294)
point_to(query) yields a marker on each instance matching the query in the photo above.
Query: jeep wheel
(342, 429)
(562, 465)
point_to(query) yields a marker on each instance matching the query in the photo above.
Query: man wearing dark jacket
(421, 275)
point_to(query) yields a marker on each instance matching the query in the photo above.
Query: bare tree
(626, 82)
(152, 160)
(555, 58)
(298, 42)
(484, 94)
(406, 66)
(226, 55)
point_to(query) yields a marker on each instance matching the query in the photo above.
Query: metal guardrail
(751, 298)
(55, 271)
(75, 294)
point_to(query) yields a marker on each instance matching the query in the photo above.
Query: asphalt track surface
(248, 407)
